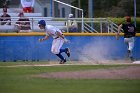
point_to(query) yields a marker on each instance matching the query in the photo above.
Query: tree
(2, 3)
(113, 8)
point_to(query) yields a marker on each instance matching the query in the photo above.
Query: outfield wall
(25, 46)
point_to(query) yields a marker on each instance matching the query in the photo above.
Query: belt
(56, 37)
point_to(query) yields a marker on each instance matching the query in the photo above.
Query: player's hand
(66, 40)
(117, 36)
(41, 39)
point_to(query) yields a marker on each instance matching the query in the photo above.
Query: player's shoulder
(51, 26)
(127, 24)
(48, 25)
(131, 24)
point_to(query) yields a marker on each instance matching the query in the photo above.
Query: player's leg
(126, 41)
(66, 50)
(131, 46)
(56, 45)
(63, 60)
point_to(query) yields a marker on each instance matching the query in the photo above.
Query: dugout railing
(91, 25)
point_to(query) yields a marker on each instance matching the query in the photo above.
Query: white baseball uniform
(57, 41)
(130, 42)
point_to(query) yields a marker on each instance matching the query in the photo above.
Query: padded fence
(18, 48)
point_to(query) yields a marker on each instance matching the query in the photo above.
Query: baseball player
(129, 34)
(71, 24)
(58, 40)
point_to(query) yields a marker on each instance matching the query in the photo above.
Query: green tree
(2, 3)
(110, 8)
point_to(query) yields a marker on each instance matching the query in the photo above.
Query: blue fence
(82, 47)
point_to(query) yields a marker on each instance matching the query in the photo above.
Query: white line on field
(47, 65)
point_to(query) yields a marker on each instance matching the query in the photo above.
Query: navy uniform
(129, 35)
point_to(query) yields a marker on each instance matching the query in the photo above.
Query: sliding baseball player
(58, 40)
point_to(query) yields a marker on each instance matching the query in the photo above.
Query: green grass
(20, 80)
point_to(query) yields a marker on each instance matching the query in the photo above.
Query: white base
(136, 62)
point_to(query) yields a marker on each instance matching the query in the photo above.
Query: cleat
(68, 52)
(132, 59)
(128, 53)
(62, 61)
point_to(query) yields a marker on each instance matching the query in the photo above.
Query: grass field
(20, 80)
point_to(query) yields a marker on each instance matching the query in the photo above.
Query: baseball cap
(42, 22)
(70, 15)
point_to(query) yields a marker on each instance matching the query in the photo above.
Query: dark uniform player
(5, 19)
(129, 34)
(23, 23)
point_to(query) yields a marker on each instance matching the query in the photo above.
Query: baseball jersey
(129, 30)
(51, 31)
(5, 18)
(27, 3)
(25, 22)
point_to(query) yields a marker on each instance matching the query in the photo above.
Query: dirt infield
(130, 72)
(127, 72)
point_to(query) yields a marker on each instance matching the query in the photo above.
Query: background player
(129, 34)
(71, 24)
(27, 5)
(58, 40)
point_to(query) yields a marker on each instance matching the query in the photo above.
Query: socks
(60, 56)
(62, 50)
(129, 53)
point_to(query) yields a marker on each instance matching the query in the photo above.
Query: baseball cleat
(132, 59)
(62, 61)
(68, 52)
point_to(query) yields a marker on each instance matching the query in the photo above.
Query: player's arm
(119, 30)
(62, 36)
(45, 38)
(33, 1)
(23, 3)
(59, 34)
